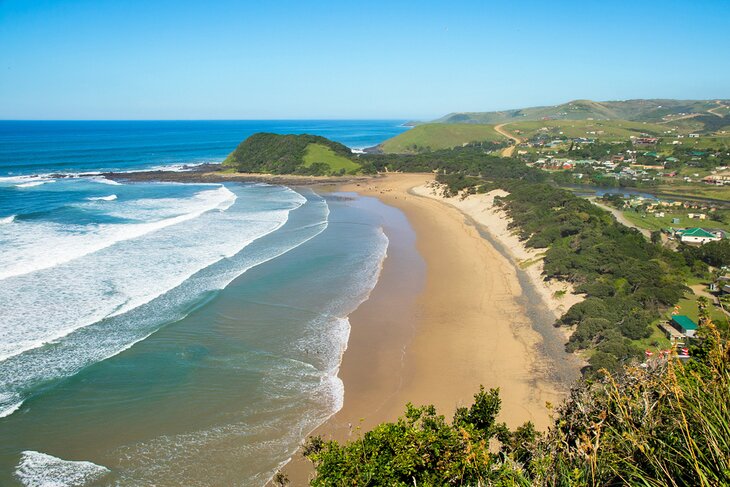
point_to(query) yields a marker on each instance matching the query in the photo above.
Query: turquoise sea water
(38, 147)
(169, 334)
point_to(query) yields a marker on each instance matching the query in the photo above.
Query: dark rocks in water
(377, 149)
(214, 173)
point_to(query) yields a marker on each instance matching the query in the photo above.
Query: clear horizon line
(199, 119)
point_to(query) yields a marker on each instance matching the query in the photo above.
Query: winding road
(620, 217)
(507, 151)
(720, 106)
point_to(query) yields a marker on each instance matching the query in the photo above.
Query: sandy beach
(466, 325)
(558, 296)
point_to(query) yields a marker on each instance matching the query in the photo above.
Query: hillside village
(673, 217)
(641, 160)
(660, 166)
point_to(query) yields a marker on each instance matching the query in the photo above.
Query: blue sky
(101, 59)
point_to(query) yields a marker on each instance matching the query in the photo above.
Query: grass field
(657, 340)
(696, 190)
(592, 129)
(688, 307)
(716, 142)
(435, 136)
(651, 222)
(320, 153)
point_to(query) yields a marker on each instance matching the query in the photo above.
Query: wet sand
(466, 324)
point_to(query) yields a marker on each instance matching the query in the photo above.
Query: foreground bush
(664, 424)
(661, 424)
(421, 448)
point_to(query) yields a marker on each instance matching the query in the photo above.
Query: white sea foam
(41, 470)
(129, 290)
(40, 179)
(333, 335)
(7, 219)
(12, 180)
(9, 403)
(118, 288)
(111, 197)
(44, 245)
(302, 395)
(32, 184)
(172, 167)
(103, 180)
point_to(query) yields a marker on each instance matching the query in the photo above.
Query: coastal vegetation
(460, 167)
(666, 424)
(716, 254)
(436, 136)
(628, 281)
(292, 154)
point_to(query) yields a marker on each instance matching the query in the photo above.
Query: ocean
(170, 334)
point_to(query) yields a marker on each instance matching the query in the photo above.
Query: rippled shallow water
(171, 334)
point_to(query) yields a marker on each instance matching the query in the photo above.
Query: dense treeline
(666, 424)
(716, 254)
(470, 160)
(279, 154)
(626, 279)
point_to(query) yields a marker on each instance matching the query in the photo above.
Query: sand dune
(465, 327)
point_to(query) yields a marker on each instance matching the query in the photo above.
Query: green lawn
(321, 153)
(435, 136)
(651, 222)
(657, 340)
(688, 307)
(604, 129)
(690, 190)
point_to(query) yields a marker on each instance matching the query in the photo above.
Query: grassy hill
(655, 110)
(319, 153)
(292, 154)
(601, 129)
(436, 136)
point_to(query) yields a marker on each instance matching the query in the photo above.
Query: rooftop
(685, 322)
(697, 232)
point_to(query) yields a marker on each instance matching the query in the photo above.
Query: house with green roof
(684, 325)
(697, 236)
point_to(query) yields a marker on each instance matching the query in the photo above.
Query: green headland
(292, 154)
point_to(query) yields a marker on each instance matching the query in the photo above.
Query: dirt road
(507, 151)
(620, 217)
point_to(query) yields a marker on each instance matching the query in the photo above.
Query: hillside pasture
(318, 153)
(592, 129)
(437, 136)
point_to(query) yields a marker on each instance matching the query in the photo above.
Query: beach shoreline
(467, 325)
(460, 302)
(557, 295)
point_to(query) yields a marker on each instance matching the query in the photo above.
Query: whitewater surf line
(99, 339)
(25, 257)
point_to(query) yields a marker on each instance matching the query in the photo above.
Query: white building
(698, 236)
